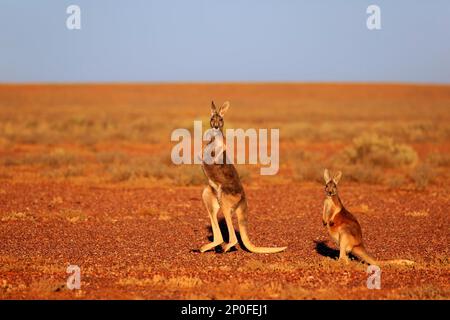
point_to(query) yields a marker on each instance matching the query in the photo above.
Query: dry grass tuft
(438, 160)
(73, 215)
(171, 283)
(423, 175)
(396, 181)
(306, 166)
(16, 216)
(421, 213)
(363, 174)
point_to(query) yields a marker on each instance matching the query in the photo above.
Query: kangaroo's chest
(333, 230)
(212, 172)
(331, 213)
(334, 235)
(212, 165)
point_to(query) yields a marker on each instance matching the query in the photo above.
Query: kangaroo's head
(331, 183)
(216, 121)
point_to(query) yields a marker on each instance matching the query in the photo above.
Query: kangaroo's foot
(229, 245)
(344, 260)
(210, 246)
(343, 256)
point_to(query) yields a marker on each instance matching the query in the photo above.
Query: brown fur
(343, 226)
(225, 192)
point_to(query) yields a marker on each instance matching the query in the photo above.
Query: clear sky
(218, 40)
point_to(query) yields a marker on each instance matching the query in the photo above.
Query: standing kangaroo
(225, 192)
(343, 226)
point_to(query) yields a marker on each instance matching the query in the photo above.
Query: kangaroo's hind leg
(344, 244)
(212, 205)
(228, 208)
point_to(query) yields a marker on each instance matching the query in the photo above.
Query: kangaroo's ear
(337, 177)
(213, 108)
(224, 108)
(326, 176)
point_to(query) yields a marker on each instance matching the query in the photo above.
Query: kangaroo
(344, 228)
(225, 192)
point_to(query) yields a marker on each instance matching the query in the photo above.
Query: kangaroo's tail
(361, 253)
(241, 212)
(402, 262)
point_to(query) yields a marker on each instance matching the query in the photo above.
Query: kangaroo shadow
(224, 231)
(324, 250)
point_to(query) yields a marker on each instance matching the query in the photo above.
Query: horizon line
(156, 83)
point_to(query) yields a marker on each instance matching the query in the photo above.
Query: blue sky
(233, 40)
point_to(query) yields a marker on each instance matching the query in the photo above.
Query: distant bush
(121, 168)
(244, 173)
(121, 174)
(361, 173)
(423, 175)
(308, 172)
(55, 159)
(190, 175)
(110, 157)
(439, 160)
(306, 166)
(396, 181)
(373, 150)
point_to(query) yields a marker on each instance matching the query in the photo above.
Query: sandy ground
(141, 243)
(85, 180)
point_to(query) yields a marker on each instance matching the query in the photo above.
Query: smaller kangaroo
(343, 227)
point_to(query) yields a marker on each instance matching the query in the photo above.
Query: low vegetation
(121, 135)
(372, 150)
